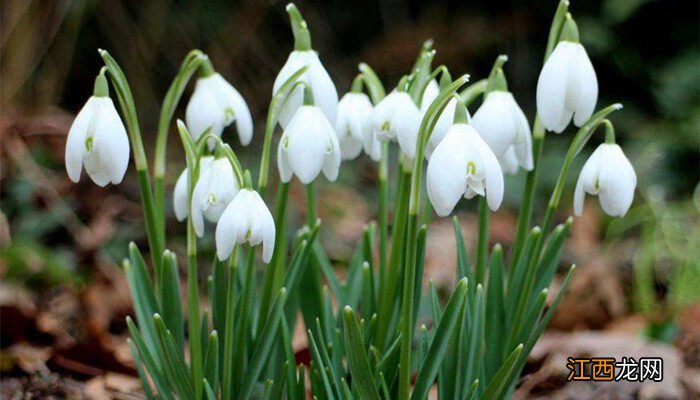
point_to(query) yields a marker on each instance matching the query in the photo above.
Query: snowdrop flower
(397, 117)
(353, 123)
(97, 140)
(214, 190)
(308, 146)
(316, 76)
(608, 174)
(180, 194)
(567, 85)
(463, 165)
(503, 126)
(216, 104)
(245, 220)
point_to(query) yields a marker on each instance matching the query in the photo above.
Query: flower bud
(397, 117)
(97, 140)
(308, 146)
(245, 220)
(214, 190)
(610, 175)
(322, 86)
(503, 126)
(216, 104)
(463, 165)
(567, 87)
(353, 123)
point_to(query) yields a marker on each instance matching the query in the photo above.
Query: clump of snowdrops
(362, 335)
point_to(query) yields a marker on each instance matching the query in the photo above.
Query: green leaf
(263, 345)
(211, 360)
(454, 311)
(475, 352)
(145, 383)
(495, 313)
(171, 304)
(362, 378)
(322, 367)
(173, 359)
(547, 266)
(463, 267)
(501, 380)
(163, 386)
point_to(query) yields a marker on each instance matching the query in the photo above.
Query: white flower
(397, 117)
(308, 146)
(463, 165)
(322, 86)
(180, 195)
(216, 104)
(245, 219)
(445, 120)
(503, 126)
(608, 174)
(98, 140)
(215, 188)
(353, 123)
(567, 87)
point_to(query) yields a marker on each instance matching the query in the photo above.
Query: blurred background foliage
(646, 54)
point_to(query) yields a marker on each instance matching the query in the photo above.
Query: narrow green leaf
(263, 344)
(163, 386)
(454, 311)
(208, 390)
(475, 353)
(211, 360)
(463, 267)
(501, 380)
(171, 304)
(495, 313)
(358, 363)
(145, 383)
(174, 360)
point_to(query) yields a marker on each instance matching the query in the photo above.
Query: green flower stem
(189, 66)
(243, 317)
(556, 27)
(227, 372)
(398, 243)
(383, 175)
(310, 205)
(274, 273)
(128, 108)
(372, 82)
(427, 126)
(276, 103)
(193, 317)
(482, 241)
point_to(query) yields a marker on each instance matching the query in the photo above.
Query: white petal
(243, 118)
(232, 228)
(308, 142)
(222, 185)
(406, 123)
(493, 176)
(617, 182)
(551, 89)
(588, 87)
(180, 196)
(429, 95)
(496, 121)
(509, 161)
(283, 166)
(113, 143)
(331, 162)
(75, 145)
(523, 141)
(447, 173)
(588, 179)
(203, 110)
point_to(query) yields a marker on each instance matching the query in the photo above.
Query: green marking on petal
(385, 126)
(471, 168)
(229, 115)
(211, 199)
(89, 143)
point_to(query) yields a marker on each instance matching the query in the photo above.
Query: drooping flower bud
(316, 76)
(609, 175)
(216, 104)
(353, 123)
(214, 190)
(246, 219)
(97, 140)
(567, 85)
(308, 146)
(463, 165)
(180, 195)
(504, 127)
(397, 117)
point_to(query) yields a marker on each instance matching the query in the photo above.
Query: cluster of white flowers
(466, 156)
